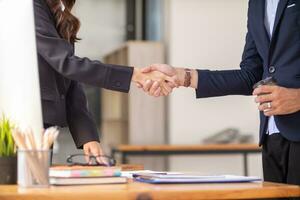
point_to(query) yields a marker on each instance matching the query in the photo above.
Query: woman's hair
(66, 23)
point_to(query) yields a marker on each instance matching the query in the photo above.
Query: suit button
(62, 96)
(272, 69)
(118, 84)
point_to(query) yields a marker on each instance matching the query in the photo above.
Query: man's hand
(162, 83)
(275, 100)
(164, 68)
(168, 71)
(94, 149)
(153, 87)
(177, 74)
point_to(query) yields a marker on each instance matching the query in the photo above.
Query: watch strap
(187, 78)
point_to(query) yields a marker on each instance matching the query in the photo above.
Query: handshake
(160, 79)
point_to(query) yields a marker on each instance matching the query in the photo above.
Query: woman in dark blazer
(61, 74)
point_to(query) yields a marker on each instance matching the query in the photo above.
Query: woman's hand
(164, 83)
(178, 76)
(94, 149)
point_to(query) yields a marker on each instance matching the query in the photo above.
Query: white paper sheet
(190, 178)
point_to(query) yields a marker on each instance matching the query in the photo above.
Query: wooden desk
(131, 167)
(140, 191)
(166, 150)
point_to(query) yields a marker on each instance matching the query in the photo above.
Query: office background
(197, 34)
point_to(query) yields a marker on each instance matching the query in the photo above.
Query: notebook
(84, 171)
(87, 181)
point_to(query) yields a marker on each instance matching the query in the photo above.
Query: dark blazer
(262, 58)
(63, 99)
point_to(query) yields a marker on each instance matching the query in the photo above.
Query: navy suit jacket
(263, 58)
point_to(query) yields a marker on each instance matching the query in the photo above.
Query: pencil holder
(33, 168)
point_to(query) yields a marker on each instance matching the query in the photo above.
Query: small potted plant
(8, 158)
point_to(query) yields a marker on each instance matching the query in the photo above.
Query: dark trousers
(281, 160)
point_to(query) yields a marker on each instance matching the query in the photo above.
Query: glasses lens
(92, 160)
(107, 161)
(80, 159)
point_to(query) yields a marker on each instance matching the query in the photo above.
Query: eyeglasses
(88, 160)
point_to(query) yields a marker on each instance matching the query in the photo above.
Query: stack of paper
(191, 178)
(79, 175)
(131, 174)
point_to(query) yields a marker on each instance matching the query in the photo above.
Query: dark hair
(67, 24)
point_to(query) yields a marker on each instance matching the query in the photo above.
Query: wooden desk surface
(131, 167)
(141, 191)
(209, 147)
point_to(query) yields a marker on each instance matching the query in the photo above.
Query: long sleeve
(59, 53)
(80, 121)
(233, 82)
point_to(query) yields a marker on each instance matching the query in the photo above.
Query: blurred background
(204, 34)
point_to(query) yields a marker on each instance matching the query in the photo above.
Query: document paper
(190, 178)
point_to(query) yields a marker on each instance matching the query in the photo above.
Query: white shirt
(270, 15)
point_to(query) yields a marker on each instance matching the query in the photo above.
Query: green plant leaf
(7, 145)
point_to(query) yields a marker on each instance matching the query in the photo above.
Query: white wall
(103, 25)
(208, 34)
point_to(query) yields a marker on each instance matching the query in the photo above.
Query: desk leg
(245, 161)
(124, 158)
(122, 155)
(113, 154)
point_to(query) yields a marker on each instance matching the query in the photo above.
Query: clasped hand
(159, 79)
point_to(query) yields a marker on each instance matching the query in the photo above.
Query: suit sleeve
(233, 82)
(59, 53)
(80, 121)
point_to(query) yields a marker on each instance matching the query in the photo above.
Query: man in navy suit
(272, 50)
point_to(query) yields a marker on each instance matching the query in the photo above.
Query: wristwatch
(187, 78)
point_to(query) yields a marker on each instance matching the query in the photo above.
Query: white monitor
(19, 79)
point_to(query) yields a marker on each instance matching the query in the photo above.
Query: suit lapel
(280, 10)
(260, 20)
